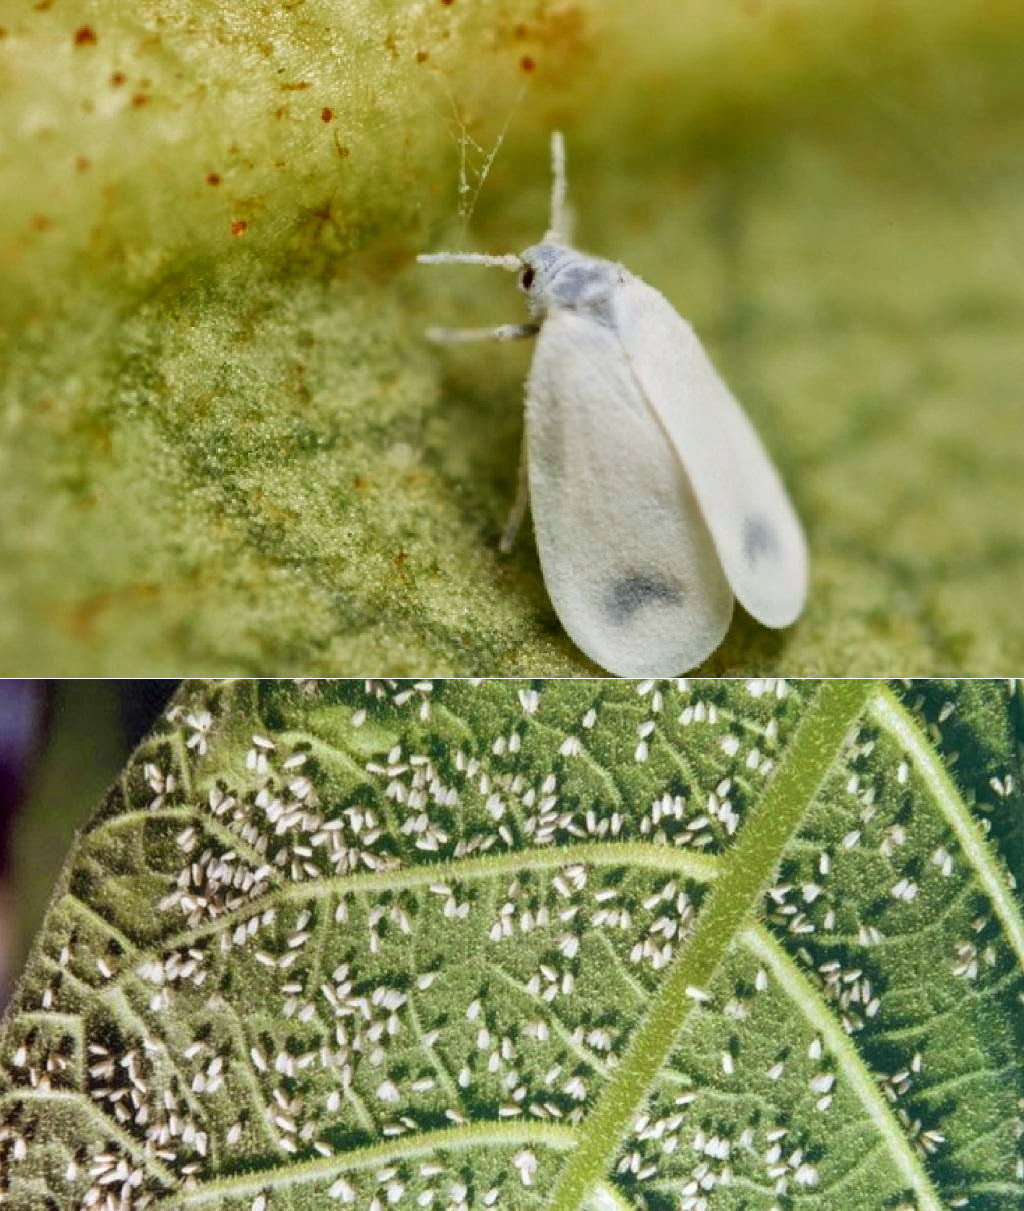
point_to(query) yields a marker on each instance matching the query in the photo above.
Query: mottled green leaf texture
(536, 946)
(226, 448)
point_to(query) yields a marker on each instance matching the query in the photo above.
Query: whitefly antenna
(510, 261)
(560, 221)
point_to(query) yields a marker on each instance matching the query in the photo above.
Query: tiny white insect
(654, 501)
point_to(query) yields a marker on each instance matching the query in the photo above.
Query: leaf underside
(535, 945)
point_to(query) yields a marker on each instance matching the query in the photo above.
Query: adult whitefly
(654, 502)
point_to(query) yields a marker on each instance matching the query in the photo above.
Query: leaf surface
(557, 945)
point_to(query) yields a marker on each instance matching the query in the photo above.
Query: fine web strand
(469, 191)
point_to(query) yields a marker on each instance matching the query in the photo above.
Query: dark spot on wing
(636, 591)
(758, 539)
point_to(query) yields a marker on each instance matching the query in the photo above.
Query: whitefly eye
(526, 277)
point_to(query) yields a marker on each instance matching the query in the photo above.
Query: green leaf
(556, 945)
(225, 444)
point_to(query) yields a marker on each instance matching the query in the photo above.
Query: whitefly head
(554, 275)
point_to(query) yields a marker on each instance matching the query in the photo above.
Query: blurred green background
(225, 447)
(62, 744)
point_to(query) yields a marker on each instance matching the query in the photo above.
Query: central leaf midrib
(736, 892)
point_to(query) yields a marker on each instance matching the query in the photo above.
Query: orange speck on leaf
(117, 78)
(85, 35)
(326, 114)
(213, 178)
(41, 223)
(139, 100)
(422, 56)
(82, 164)
(239, 227)
(527, 64)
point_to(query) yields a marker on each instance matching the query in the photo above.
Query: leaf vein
(861, 1082)
(891, 715)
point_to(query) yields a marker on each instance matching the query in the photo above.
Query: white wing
(627, 559)
(755, 529)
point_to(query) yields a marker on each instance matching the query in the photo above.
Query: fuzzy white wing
(627, 559)
(758, 536)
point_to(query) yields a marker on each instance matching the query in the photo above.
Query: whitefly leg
(464, 336)
(503, 332)
(515, 518)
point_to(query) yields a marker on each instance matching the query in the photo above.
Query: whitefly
(654, 502)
